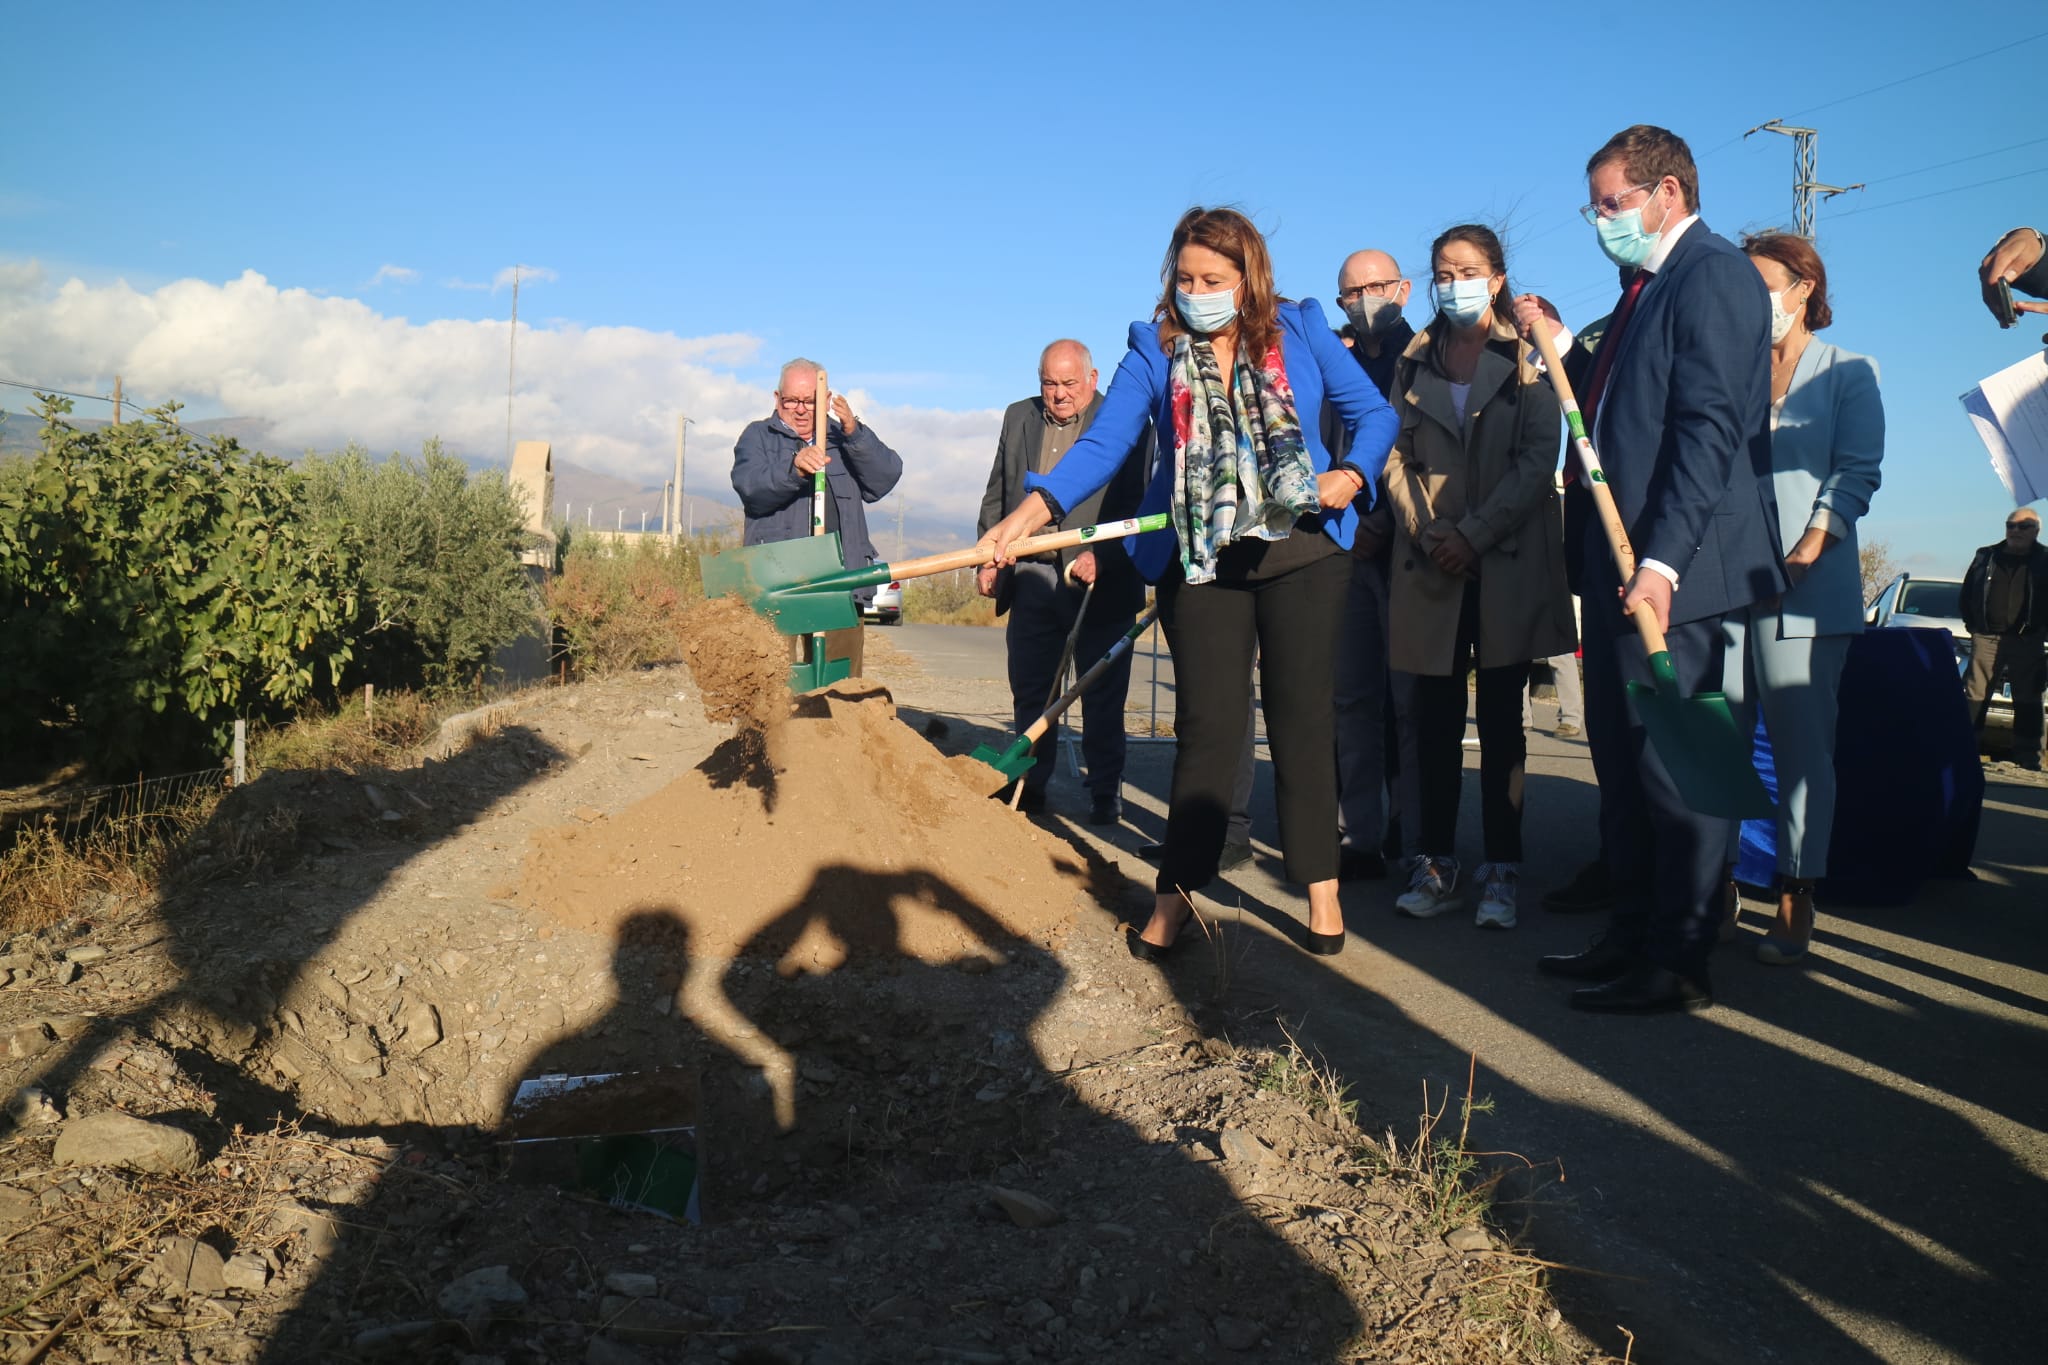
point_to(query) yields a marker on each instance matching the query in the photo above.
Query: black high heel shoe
(1323, 945)
(1146, 951)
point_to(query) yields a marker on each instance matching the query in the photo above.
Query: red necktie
(1610, 343)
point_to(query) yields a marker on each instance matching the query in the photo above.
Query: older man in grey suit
(1043, 595)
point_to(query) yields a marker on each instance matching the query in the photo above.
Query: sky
(311, 214)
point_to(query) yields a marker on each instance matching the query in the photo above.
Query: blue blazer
(1318, 367)
(1825, 447)
(1683, 428)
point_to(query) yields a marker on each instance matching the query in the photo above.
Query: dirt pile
(740, 663)
(841, 832)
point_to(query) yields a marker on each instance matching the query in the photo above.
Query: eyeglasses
(797, 404)
(1611, 205)
(1379, 289)
(2023, 525)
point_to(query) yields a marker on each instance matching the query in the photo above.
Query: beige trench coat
(1492, 479)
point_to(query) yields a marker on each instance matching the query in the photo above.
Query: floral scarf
(1241, 469)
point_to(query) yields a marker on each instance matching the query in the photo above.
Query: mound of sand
(839, 832)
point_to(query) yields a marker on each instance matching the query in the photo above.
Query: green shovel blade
(763, 577)
(1012, 762)
(1703, 748)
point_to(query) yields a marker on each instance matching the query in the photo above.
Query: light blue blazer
(1826, 443)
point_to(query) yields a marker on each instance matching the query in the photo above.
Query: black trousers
(1503, 748)
(1291, 621)
(1042, 611)
(2020, 659)
(1666, 859)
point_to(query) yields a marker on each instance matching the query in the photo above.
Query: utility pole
(511, 364)
(117, 400)
(682, 431)
(1804, 185)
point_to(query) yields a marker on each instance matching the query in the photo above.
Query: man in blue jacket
(773, 462)
(1678, 404)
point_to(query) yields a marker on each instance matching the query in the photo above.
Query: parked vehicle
(887, 608)
(1933, 604)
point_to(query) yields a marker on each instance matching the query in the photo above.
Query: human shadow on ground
(1778, 1177)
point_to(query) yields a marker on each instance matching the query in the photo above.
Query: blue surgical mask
(1464, 302)
(1623, 239)
(1207, 312)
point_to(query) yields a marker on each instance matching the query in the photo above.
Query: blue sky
(921, 196)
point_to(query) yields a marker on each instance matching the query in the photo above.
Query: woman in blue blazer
(1234, 379)
(1827, 439)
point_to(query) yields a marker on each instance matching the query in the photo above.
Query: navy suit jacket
(1683, 429)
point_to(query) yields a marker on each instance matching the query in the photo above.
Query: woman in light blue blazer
(1827, 439)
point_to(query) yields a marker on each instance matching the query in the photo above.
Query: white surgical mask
(1781, 321)
(1464, 302)
(1207, 312)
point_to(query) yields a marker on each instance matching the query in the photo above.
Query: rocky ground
(265, 1116)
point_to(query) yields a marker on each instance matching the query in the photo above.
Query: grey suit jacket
(1826, 442)
(1118, 588)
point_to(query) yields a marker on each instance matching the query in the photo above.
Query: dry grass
(49, 873)
(1508, 1312)
(947, 599)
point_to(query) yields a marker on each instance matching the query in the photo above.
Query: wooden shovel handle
(1596, 483)
(975, 556)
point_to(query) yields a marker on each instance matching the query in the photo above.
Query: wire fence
(127, 808)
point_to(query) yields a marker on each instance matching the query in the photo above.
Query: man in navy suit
(1678, 403)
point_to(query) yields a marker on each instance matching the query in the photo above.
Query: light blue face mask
(1623, 239)
(1464, 302)
(1207, 312)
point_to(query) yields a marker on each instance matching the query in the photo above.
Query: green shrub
(439, 546)
(153, 588)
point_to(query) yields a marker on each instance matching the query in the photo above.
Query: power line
(1937, 194)
(1944, 165)
(61, 393)
(1892, 84)
(1931, 71)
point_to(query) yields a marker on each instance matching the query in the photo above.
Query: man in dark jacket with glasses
(2005, 607)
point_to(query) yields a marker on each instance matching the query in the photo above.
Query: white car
(1934, 603)
(887, 607)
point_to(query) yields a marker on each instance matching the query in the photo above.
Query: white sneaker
(1432, 887)
(1497, 895)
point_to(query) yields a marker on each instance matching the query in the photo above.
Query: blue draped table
(1910, 785)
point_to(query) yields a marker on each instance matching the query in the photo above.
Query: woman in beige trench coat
(1478, 569)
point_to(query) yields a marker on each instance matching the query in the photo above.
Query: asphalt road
(1844, 1162)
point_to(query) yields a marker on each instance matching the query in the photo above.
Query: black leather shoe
(1592, 889)
(1645, 990)
(1323, 945)
(1358, 865)
(1233, 856)
(1603, 960)
(1151, 853)
(1106, 810)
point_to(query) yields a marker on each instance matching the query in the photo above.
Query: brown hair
(1231, 235)
(1649, 153)
(1799, 258)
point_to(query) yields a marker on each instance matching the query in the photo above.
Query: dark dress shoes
(1645, 990)
(1592, 889)
(1603, 960)
(1033, 801)
(1106, 810)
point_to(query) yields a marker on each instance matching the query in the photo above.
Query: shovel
(1704, 750)
(1016, 760)
(804, 588)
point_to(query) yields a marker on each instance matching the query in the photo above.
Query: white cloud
(396, 274)
(457, 282)
(326, 370)
(528, 274)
